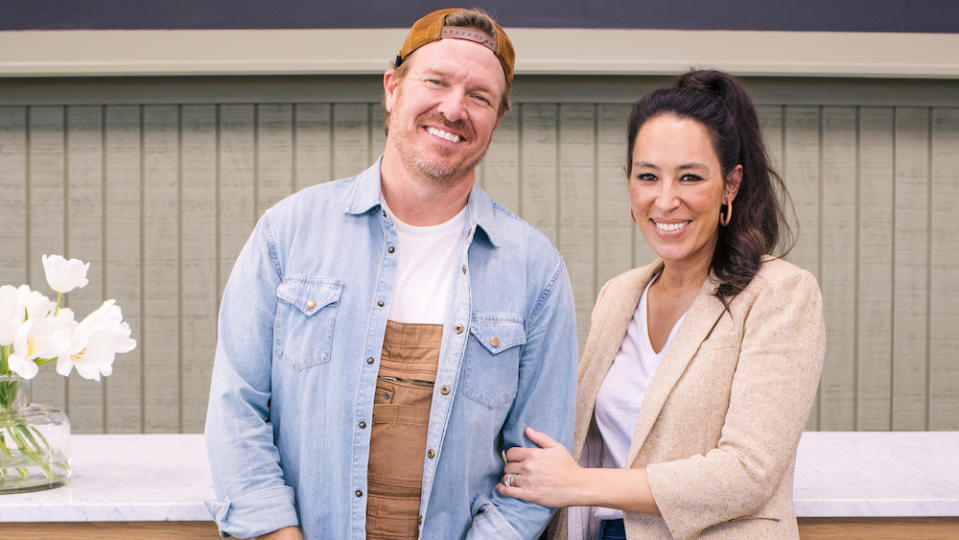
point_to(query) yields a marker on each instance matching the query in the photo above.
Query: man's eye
(434, 82)
(482, 98)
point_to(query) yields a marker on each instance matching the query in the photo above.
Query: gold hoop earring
(631, 216)
(724, 217)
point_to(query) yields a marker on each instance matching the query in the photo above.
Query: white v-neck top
(621, 394)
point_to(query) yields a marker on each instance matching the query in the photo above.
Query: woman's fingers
(541, 439)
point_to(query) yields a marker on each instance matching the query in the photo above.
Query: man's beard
(413, 160)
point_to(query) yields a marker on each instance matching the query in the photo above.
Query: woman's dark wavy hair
(716, 100)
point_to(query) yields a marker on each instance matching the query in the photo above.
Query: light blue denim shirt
(300, 333)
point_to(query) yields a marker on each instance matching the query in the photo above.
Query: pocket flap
(497, 335)
(309, 295)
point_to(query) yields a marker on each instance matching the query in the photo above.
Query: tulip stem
(59, 299)
(4, 354)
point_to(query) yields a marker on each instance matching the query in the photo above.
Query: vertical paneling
(161, 198)
(538, 167)
(235, 200)
(312, 132)
(351, 139)
(47, 165)
(801, 171)
(161, 261)
(614, 230)
(874, 362)
(577, 204)
(838, 279)
(85, 242)
(274, 154)
(499, 174)
(943, 290)
(122, 244)
(376, 131)
(910, 268)
(198, 279)
(13, 195)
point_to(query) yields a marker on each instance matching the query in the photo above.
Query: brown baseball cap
(432, 27)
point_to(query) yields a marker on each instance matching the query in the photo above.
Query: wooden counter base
(115, 530)
(928, 528)
(878, 528)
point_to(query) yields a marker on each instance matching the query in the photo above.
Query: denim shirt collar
(366, 195)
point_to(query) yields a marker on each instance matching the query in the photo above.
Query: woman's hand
(547, 475)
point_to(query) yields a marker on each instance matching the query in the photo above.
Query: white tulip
(11, 317)
(40, 338)
(95, 342)
(64, 275)
(18, 304)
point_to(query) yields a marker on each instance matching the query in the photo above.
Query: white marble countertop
(166, 478)
(123, 478)
(877, 474)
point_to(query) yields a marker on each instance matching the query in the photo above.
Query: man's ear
(390, 82)
(733, 180)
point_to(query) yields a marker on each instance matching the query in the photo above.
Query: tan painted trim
(540, 52)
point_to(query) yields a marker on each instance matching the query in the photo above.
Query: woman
(701, 368)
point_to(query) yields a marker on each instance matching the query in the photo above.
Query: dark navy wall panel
(808, 15)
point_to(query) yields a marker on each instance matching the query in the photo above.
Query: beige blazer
(720, 422)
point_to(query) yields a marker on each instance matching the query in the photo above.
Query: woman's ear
(733, 180)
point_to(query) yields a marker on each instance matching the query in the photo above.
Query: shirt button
(391, 249)
(419, 520)
(310, 304)
(380, 303)
(370, 360)
(431, 453)
(384, 213)
(444, 390)
(494, 341)
(458, 328)
(362, 425)
(387, 395)
(359, 493)
(464, 268)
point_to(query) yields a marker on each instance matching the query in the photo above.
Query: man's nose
(451, 106)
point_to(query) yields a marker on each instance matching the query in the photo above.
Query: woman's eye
(646, 177)
(690, 178)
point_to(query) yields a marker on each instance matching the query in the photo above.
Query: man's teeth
(443, 134)
(670, 226)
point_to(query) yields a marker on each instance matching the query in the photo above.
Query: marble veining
(167, 478)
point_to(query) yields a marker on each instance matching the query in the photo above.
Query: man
(384, 338)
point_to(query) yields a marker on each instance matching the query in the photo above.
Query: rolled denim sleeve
(545, 400)
(251, 495)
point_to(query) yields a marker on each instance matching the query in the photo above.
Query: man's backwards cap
(432, 27)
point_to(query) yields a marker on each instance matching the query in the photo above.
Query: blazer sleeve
(771, 395)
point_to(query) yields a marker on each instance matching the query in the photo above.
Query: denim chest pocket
(492, 360)
(305, 319)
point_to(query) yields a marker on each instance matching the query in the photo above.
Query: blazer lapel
(697, 325)
(610, 321)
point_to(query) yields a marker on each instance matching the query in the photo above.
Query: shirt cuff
(255, 513)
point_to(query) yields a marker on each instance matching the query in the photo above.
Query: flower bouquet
(34, 439)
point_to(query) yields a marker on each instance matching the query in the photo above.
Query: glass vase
(34, 440)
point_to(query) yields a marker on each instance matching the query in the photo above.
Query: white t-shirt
(427, 259)
(621, 395)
